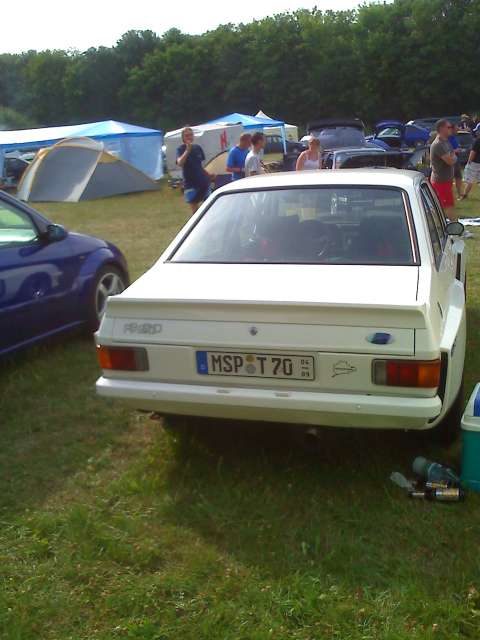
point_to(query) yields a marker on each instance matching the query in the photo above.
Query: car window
(433, 230)
(437, 212)
(16, 227)
(356, 160)
(321, 225)
(390, 132)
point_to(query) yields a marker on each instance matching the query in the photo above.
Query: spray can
(449, 494)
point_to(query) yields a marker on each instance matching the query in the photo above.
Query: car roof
(362, 177)
(328, 123)
(372, 149)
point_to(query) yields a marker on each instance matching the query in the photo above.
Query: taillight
(122, 358)
(407, 373)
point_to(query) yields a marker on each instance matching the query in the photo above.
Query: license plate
(255, 365)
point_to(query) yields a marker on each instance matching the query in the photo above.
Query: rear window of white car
(321, 225)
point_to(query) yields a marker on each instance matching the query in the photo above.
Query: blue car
(393, 134)
(51, 280)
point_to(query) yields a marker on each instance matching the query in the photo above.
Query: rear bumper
(326, 409)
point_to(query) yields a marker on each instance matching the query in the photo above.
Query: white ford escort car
(329, 298)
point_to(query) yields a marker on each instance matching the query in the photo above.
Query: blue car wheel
(109, 281)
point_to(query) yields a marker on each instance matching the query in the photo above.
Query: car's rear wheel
(109, 281)
(448, 430)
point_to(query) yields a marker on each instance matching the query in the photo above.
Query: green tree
(11, 119)
(44, 75)
(92, 84)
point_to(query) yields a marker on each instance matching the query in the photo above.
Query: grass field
(112, 529)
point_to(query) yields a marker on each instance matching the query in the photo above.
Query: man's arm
(234, 169)
(472, 156)
(300, 161)
(449, 158)
(183, 158)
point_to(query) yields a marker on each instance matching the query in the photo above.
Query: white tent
(291, 130)
(213, 138)
(79, 169)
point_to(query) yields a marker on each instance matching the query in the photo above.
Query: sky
(63, 24)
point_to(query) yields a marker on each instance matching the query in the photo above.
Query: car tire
(109, 281)
(448, 430)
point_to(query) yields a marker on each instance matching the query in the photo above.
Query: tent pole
(283, 139)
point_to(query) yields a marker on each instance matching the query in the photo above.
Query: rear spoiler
(393, 316)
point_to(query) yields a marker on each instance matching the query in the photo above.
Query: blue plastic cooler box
(471, 442)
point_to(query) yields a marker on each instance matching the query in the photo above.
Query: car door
(442, 245)
(36, 278)
(450, 269)
(453, 247)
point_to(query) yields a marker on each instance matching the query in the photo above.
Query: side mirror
(454, 229)
(55, 233)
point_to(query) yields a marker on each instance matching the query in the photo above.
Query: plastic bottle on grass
(434, 472)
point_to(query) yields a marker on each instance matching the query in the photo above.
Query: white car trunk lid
(283, 283)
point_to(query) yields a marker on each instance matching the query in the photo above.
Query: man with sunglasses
(442, 162)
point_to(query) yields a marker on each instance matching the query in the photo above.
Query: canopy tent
(252, 123)
(139, 146)
(291, 130)
(79, 169)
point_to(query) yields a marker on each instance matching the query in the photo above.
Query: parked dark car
(274, 144)
(14, 169)
(345, 146)
(364, 157)
(397, 135)
(51, 279)
(354, 158)
(429, 123)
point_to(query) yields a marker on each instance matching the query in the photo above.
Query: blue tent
(251, 122)
(139, 146)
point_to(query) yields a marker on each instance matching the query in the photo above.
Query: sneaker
(467, 234)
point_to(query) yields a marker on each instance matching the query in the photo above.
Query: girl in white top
(311, 159)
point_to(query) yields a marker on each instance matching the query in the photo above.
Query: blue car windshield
(320, 225)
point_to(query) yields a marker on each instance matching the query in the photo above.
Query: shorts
(472, 172)
(457, 170)
(444, 192)
(194, 196)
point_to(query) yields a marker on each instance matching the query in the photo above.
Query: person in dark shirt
(472, 168)
(196, 180)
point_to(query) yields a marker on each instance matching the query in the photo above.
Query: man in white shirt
(253, 161)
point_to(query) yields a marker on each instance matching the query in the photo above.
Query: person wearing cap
(466, 122)
(311, 159)
(442, 161)
(236, 157)
(196, 180)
